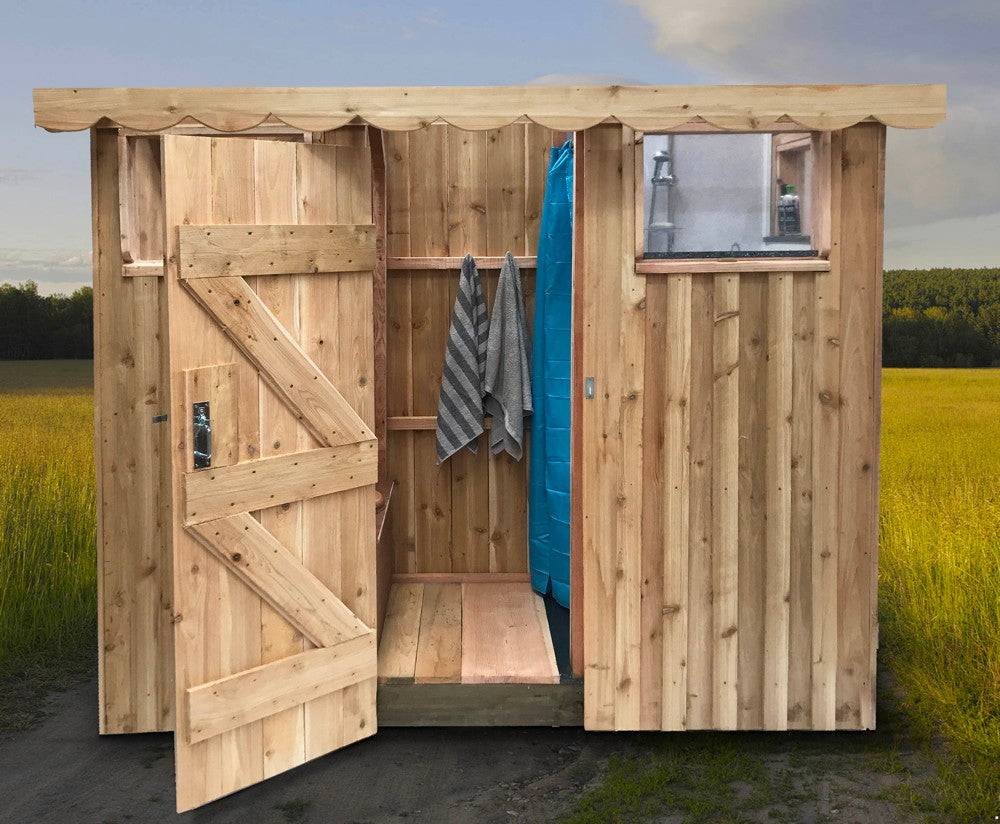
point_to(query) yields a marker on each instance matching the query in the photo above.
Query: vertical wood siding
(135, 652)
(730, 468)
(452, 192)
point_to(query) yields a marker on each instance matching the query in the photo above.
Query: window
(727, 195)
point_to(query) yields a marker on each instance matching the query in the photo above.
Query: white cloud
(932, 175)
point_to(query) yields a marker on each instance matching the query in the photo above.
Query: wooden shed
(276, 268)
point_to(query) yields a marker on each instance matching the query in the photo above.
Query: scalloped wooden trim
(566, 108)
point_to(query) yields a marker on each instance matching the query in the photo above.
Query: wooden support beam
(715, 266)
(461, 578)
(455, 263)
(220, 491)
(280, 359)
(231, 702)
(421, 422)
(253, 554)
(238, 251)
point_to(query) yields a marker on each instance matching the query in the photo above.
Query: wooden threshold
(715, 266)
(481, 705)
(448, 263)
(468, 633)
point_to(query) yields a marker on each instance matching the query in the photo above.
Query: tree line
(930, 317)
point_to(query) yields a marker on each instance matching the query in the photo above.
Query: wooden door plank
(277, 686)
(397, 651)
(676, 482)
(267, 567)
(216, 492)
(504, 638)
(439, 648)
(238, 624)
(334, 186)
(243, 251)
(280, 433)
(725, 500)
(267, 343)
(778, 481)
(187, 173)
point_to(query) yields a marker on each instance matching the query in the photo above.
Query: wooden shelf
(447, 263)
(715, 266)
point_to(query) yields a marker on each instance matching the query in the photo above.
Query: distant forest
(930, 317)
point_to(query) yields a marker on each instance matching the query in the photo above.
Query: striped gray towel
(460, 406)
(508, 375)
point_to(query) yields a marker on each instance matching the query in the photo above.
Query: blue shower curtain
(548, 501)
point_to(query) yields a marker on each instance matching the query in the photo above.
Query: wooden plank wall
(135, 652)
(730, 467)
(452, 192)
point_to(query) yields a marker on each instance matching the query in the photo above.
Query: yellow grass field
(939, 570)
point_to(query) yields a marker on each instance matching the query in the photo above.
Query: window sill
(711, 266)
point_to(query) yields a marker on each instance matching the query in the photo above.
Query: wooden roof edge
(566, 108)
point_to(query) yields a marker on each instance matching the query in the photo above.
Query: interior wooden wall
(730, 466)
(452, 192)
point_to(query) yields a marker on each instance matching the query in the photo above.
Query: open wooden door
(270, 252)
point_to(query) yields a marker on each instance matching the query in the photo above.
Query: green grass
(47, 558)
(939, 571)
(34, 376)
(939, 603)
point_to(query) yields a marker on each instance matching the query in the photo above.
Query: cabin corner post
(613, 344)
(861, 227)
(135, 652)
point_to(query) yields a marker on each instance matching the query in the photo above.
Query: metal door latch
(588, 388)
(201, 429)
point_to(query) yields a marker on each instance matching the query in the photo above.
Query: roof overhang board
(567, 108)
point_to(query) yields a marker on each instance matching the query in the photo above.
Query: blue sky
(943, 187)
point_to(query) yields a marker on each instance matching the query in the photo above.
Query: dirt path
(61, 771)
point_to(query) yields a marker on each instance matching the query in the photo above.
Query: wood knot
(236, 557)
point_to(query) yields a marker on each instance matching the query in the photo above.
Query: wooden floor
(468, 633)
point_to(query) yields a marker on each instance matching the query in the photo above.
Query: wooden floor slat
(471, 633)
(397, 650)
(503, 638)
(439, 647)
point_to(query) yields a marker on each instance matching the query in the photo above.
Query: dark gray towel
(460, 406)
(508, 375)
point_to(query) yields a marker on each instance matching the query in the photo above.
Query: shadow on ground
(60, 770)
